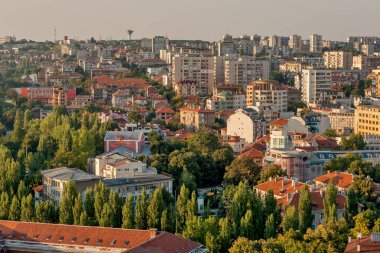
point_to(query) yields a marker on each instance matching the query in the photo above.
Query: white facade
(315, 84)
(316, 43)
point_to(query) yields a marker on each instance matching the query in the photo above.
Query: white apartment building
(247, 124)
(338, 60)
(315, 84)
(195, 68)
(268, 94)
(316, 43)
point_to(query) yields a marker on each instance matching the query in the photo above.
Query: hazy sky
(191, 19)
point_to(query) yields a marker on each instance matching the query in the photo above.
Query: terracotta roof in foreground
(339, 179)
(105, 239)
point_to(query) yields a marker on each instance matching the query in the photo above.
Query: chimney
(153, 233)
(293, 182)
(321, 192)
(349, 239)
(358, 248)
(119, 138)
(283, 182)
(276, 179)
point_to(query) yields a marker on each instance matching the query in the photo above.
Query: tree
(225, 234)
(140, 211)
(107, 218)
(18, 130)
(360, 167)
(101, 198)
(270, 227)
(134, 116)
(27, 208)
(351, 206)
(84, 219)
(329, 200)
(155, 209)
(272, 171)
(66, 203)
(14, 210)
(22, 191)
(203, 143)
(181, 205)
(115, 203)
(45, 212)
(188, 180)
(78, 209)
(195, 229)
(246, 225)
(364, 190)
(192, 206)
(89, 203)
(212, 243)
(290, 220)
(270, 203)
(242, 169)
(364, 223)
(330, 133)
(354, 142)
(376, 227)
(222, 158)
(128, 216)
(242, 245)
(305, 207)
(4, 206)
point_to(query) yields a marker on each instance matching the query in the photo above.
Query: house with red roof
(287, 193)
(194, 118)
(164, 114)
(369, 244)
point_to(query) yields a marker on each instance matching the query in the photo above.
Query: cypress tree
(45, 212)
(66, 203)
(182, 200)
(140, 211)
(155, 209)
(89, 203)
(107, 218)
(246, 225)
(101, 197)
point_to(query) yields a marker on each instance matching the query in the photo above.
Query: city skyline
(199, 20)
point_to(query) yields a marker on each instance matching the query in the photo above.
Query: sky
(191, 19)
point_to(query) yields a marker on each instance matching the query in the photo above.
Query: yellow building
(367, 120)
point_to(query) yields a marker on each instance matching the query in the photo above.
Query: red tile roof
(279, 122)
(252, 153)
(105, 239)
(165, 110)
(317, 200)
(133, 82)
(370, 244)
(196, 110)
(39, 188)
(281, 186)
(103, 80)
(339, 179)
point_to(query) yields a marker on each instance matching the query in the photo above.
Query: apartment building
(375, 77)
(159, 43)
(194, 118)
(245, 70)
(247, 124)
(295, 43)
(196, 68)
(226, 45)
(367, 120)
(291, 66)
(338, 60)
(316, 43)
(190, 88)
(268, 93)
(365, 62)
(59, 97)
(342, 121)
(315, 84)
(226, 101)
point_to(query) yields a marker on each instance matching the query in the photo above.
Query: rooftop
(124, 135)
(67, 174)
(137, 180)
(115, 239)
(339, 179)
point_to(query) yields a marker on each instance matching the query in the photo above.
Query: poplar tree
(155, 209)
(305, 207)
(246, 225)
(290, 220)
(329, 200)
(101, 197)
(351, 207)
(78, 209)
(4, 205)
(27, 208)
(182, 200)
(140, 211)
(128, 216)
(15, 211)
(89, 203)
(107, 218)
(115, 204)
(66, 203)
(45, 212)
(270, 227)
